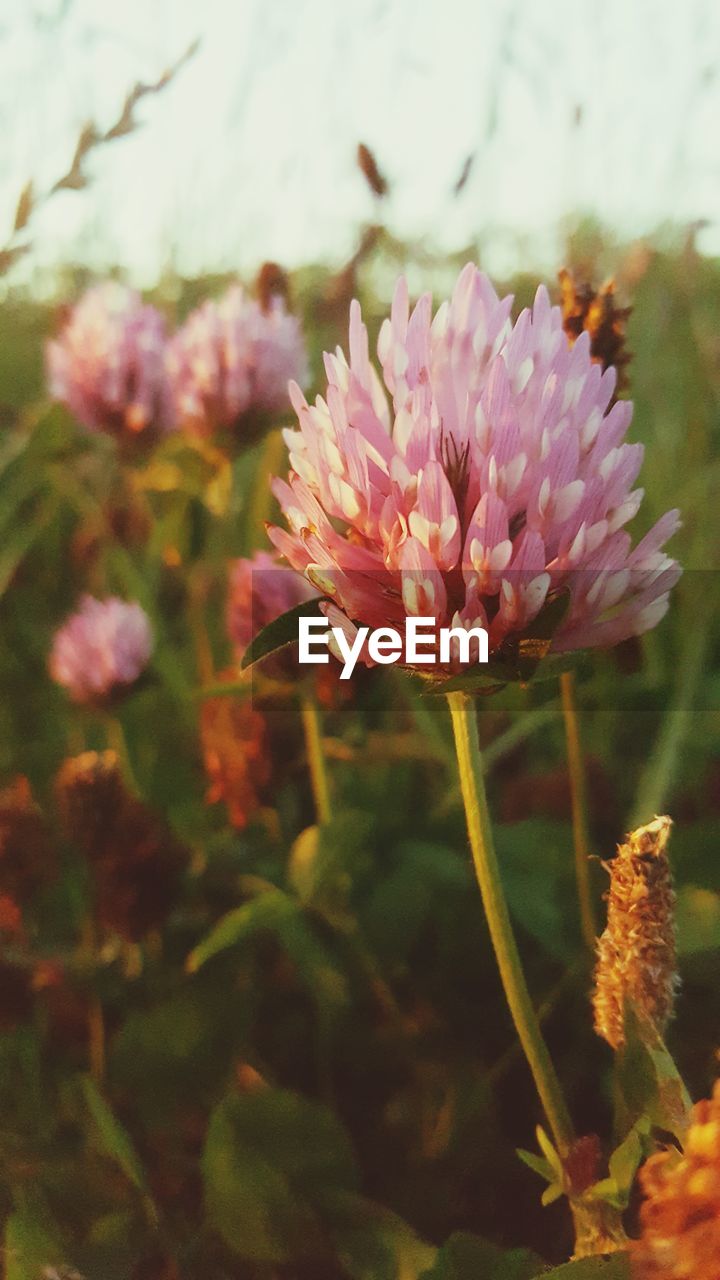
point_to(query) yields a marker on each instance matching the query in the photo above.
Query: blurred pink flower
(101, 649)
(260, 589)
(232, 358)
(494, 479)
(108, 366)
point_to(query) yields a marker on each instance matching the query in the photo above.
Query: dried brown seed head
(636, 956)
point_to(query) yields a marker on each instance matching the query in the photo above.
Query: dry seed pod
(636, 957)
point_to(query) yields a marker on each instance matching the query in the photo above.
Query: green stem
(316, 757)
(117, 742)
(578, 800)
(657, 778)
(487, 871)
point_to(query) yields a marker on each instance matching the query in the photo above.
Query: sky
(567, 106)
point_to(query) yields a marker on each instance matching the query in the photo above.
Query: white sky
(250, 154)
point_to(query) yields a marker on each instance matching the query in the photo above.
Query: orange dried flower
(680, 1216)
(236, 756)
(596, 311)
(636, 964)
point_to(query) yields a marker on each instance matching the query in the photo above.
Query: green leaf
(22, 539)
(548, 621)
(372, 1241)
(538, 1164)
(279, 633)
(325, 861)
(269, 1158)
(625, 1159)
(551, 1194)
(284, 916)
(522, 660)
(115, 1141)
(551, 1155)
(32, 1242)
(468, 1257)
(486, 678)
(615, 1267)
(649, 1084)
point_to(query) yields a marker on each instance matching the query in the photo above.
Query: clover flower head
(260, 589)
(483, 475)
(234, 358)
(101, 650)
(108, 364)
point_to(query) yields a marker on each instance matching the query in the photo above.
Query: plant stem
(487, 871)
(117, 742)
(657, 778)
(578, 799)
(316, 757)
(198, 587)
(95, 1015)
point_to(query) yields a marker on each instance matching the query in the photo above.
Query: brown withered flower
(636, 956)
(680, 1215)
(235, 750)
(135, 860)
(597, 312)
(27, 856)
(272, 281)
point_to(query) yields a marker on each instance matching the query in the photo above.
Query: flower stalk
(316, 757)
(578, 800)
(487, 871)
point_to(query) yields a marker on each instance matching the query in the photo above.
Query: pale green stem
(117, 742)
(197, 602)
(487, 871)
(657, 777)
(316, 757)
(578, 800)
